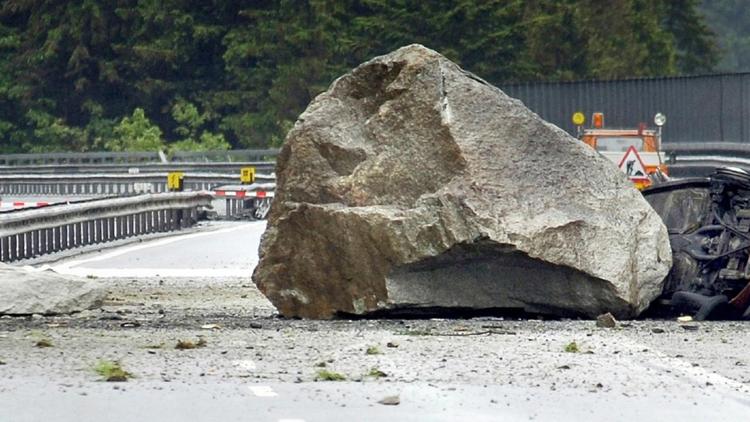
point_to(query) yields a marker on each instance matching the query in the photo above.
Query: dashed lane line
(263, 391)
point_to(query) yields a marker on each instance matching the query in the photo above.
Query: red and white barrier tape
(21, 204)
(243, 194)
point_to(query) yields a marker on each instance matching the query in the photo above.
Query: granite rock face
(24, 292)
(413, 184)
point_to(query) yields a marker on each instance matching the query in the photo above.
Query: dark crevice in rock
(342, 160)
(369, 84)
(421, 312)
(485, 275)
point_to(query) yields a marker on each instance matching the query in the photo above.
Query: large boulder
(25, 292)
(413, 184)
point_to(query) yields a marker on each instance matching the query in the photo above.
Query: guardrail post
(85, 233)
(34, 250)
(136, 224)
(77, 238)
(130, 225)
(97, 231)
(42, 245)
(5, 246)
(147, 222)
(123, 227)
(109, 223)
(13, 250)
(118, 227)
(175, 220)
(62, 238)
(55, 239)
(26, 245)
(47, 244)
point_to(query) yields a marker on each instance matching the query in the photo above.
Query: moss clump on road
(326, 375)
(572, 347)
(187, 344)
(376, 373)
(111, 371)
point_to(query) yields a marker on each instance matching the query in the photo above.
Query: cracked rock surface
(412, 184)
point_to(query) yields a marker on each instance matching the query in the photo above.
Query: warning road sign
(632, 165)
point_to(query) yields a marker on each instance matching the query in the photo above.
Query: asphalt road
(255, 366)
(219, 249)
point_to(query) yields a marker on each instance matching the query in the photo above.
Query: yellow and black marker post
(175, 181)
(247, 175)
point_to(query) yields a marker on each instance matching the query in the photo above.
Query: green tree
(730, 20)
(190, 121)
(136, 133)
(695, 43)
(213, 74)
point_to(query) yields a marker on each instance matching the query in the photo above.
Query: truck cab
(644, 165)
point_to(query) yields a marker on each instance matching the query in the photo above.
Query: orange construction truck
(637, 152)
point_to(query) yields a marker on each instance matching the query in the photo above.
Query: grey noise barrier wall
(704, 108)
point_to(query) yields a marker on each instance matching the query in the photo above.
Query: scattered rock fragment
(657, 330)
(42, 343)
(30, 292)
(392, 344)
(211, 326)
(390, 401)
(606, 321)
(689, 327)
(189, 344)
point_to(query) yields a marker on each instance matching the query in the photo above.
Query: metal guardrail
(700, 159)
(84, 168)
(675, 150)
(29, 233)
(110, 184)
(230, 156)
(79, 157)
(69, 158)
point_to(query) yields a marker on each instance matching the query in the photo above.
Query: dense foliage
(730, 19)
(178, 74)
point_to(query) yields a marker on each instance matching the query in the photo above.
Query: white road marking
(291, 420)
(76, 267)
(263, 391)
(155, 272)
(245, 364)
(695, 375)
(147, 245)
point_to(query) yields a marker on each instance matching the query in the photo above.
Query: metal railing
(79, 158)
(89, 168)
(34, 232)
(229, 156)
(110, 184)
(697, 159)
(68, 158)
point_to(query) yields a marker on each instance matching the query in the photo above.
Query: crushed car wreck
(709, 231)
